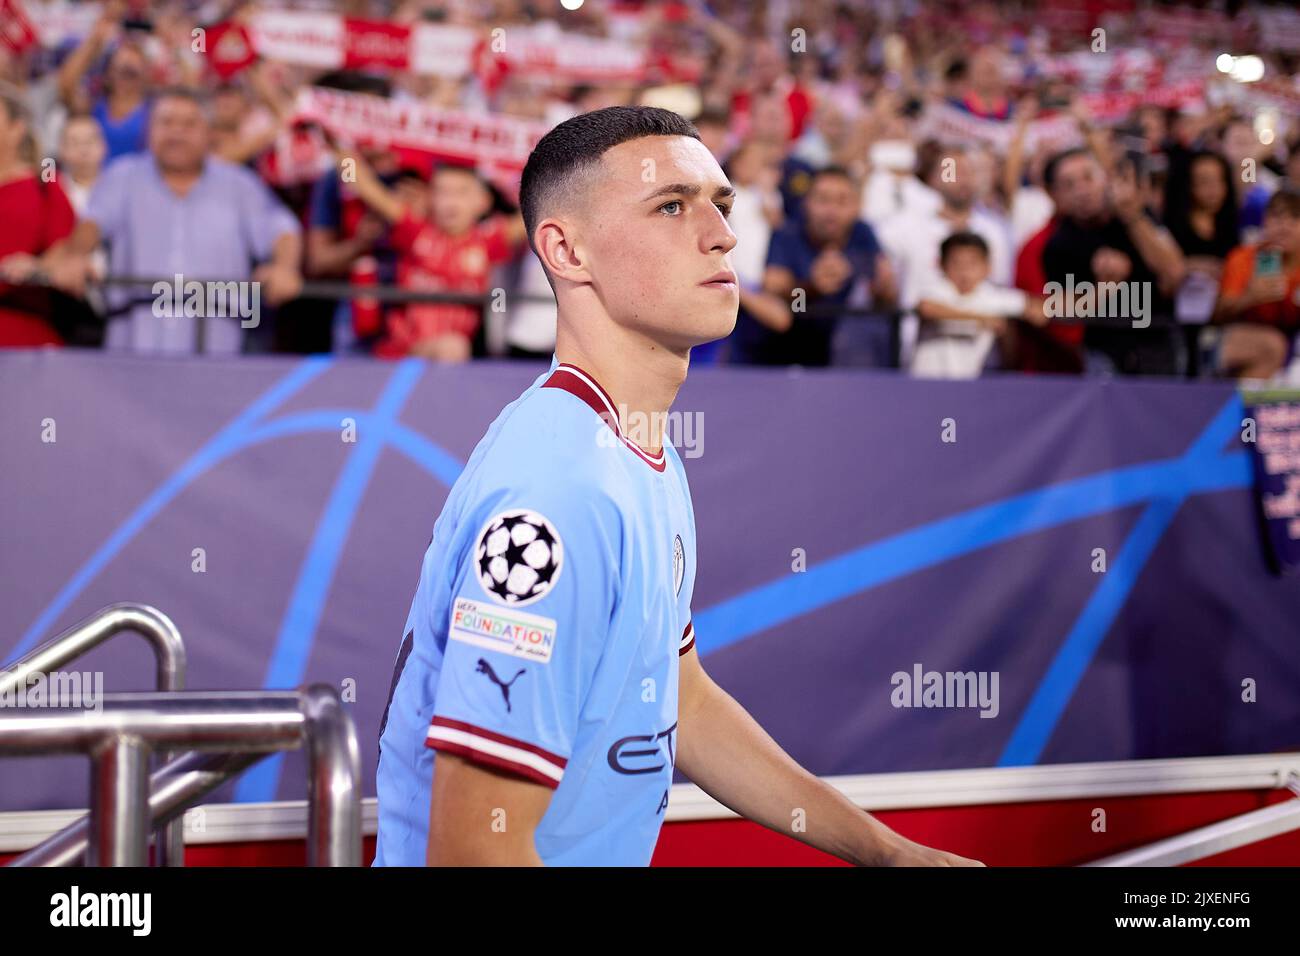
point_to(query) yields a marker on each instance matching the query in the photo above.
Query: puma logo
(485, 668)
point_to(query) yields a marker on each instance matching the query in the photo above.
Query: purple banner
(893, 574)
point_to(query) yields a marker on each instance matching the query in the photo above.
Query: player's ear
(559, 252)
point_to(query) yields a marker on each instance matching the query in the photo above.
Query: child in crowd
(451, 248)
(962, 313)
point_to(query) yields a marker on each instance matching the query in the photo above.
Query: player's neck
(641, 377)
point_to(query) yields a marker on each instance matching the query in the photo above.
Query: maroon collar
(577, 382)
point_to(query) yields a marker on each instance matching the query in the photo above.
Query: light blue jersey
(543, 640)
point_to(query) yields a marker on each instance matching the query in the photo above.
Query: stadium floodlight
(1247, 69)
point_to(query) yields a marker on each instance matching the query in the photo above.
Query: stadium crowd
(947, 187)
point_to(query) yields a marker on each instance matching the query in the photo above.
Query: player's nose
(718, 236)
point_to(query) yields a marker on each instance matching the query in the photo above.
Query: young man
(548, 681)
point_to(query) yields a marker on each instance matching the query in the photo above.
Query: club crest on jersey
(518, 557)
(679, 564)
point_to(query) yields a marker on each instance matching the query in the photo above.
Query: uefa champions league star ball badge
(518, 557)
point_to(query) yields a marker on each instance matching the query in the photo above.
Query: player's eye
(675, 202)
(725, 209)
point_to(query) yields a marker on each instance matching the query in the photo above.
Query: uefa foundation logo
(74, 690)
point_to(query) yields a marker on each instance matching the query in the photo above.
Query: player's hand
(913, 854)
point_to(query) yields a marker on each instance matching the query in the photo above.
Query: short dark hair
(199, 97)
(834, 171)
(962, 240)
(1285, 200)
(1054, 164)
(568, 152)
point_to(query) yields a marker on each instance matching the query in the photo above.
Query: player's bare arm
(724, 751)
(482, 817)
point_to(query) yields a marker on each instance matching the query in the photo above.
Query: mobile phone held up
(1268, 263)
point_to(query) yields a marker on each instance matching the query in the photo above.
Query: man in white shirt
(912, 240)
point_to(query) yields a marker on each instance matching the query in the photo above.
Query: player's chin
(709, 326)
(718, 309)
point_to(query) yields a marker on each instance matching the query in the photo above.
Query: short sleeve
(325, 204)
(530, 614)
(267, 219)
(688, 638)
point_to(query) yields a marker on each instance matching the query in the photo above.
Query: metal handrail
(119, 737)
(172, 790)
(1215, 838)
(153, 625)
(169, 650)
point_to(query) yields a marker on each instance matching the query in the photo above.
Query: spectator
(833, 259)
(983, 88)
(242, 129)
(37, 215)
(755, 172)
(766, 77)
(833, 139)
(713, 125)
(892, 188)
(768, 126)
(530, 324)
(178, 211)
(962, 312)
(341, 230)
(913, 239)
(81, 157)
(1259, 299)
(450, 250)
(1103, 234)
(1201, 215)
(1058, 346)
(123, 110)
(1245, 155)
(1029, 207)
